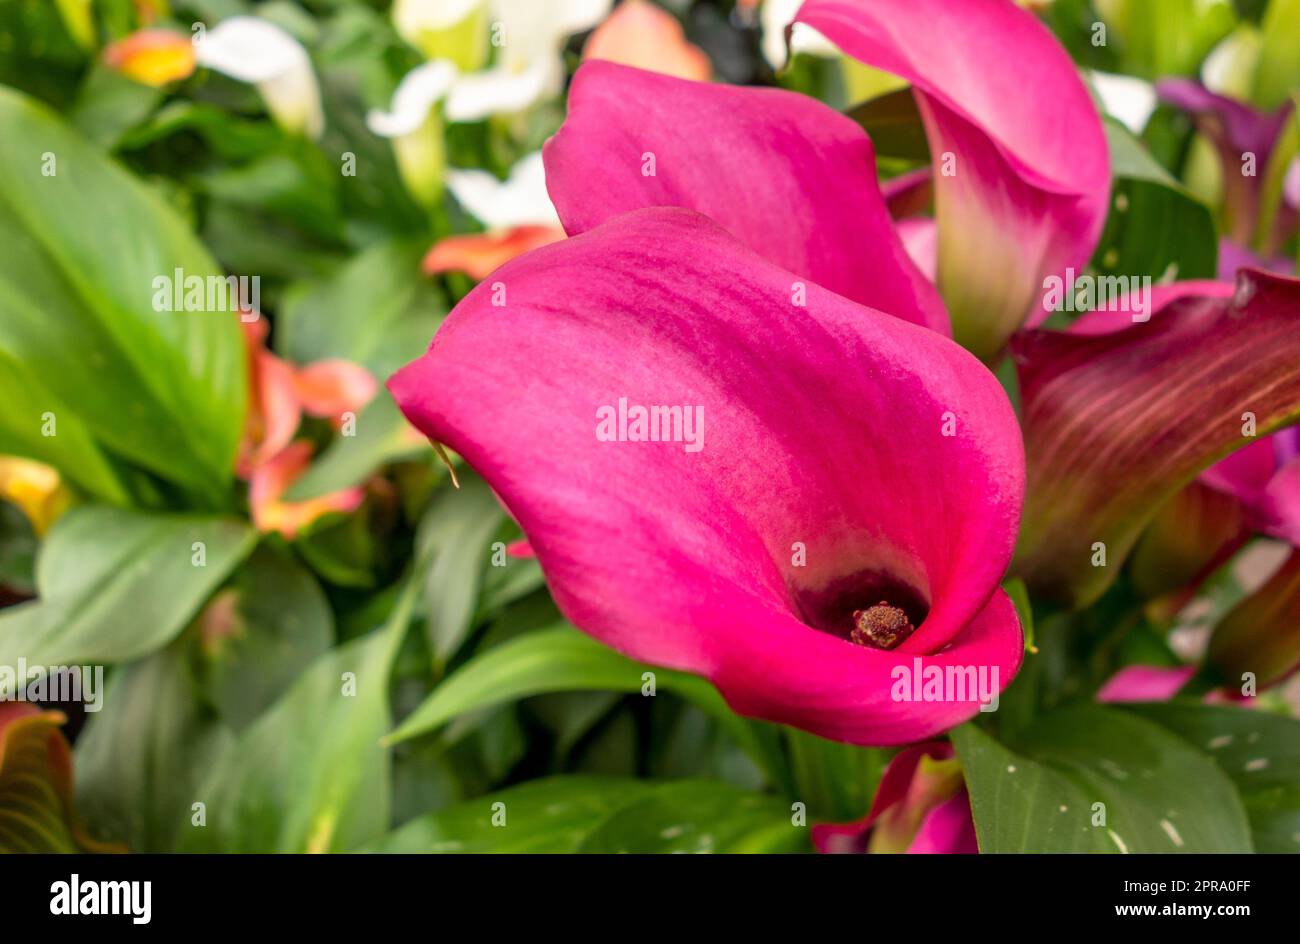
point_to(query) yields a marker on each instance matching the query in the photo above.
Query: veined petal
(791, 178)
(739, 540)
(417, 93)
(1115, 423)
(152, 56)
(640, 34)
(521, 200)
(1022, 170)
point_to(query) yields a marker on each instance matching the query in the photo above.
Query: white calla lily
(258, 52)
(528, 36)
(445, 29)
(1129, 100)
(520, 200)
(416, 128)
(421, 89)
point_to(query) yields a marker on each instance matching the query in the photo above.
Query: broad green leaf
(109, 104)
(836, 781)
(593, 814)
(1041, 795)
(564, 660)
(115, 585)
(553, 815)
(1156, 227)
(456, 537)
(1021, 805)
(1258, 751)
(382, 436)
(140, 759)
(893, 123)
(84, 243)
(30, 411)
(262, 632)
(377, 310)
(310, 775)
(700, 816)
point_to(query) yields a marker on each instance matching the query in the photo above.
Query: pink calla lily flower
(921, 807)
(801, 178)
(833, 513)
(1021, 166)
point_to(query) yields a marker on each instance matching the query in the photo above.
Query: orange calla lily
(641, 34)
(152, 57)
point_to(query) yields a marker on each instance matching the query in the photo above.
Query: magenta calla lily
(921, 808)
(830, 458)
(801, 191)
(1022, 170)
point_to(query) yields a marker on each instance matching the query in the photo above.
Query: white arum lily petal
(252, 50)
(412, 16)
(416, 95)
(502, 91)
(776, 16)
(518, 201)
(1126, 99)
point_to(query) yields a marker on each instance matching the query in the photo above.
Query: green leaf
(156, 740)
(1156, 226)
(382, 436)
(836, 781)
(1258, 751)
(310, 774)
(115, 585)
(593, 814)
(269, 625)
(894, 124)
(564, 660)
(377, 310)
(456, 536)
(164, 389)
(1041, 796)
(30, 411)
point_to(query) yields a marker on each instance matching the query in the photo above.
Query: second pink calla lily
(1021, 166)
